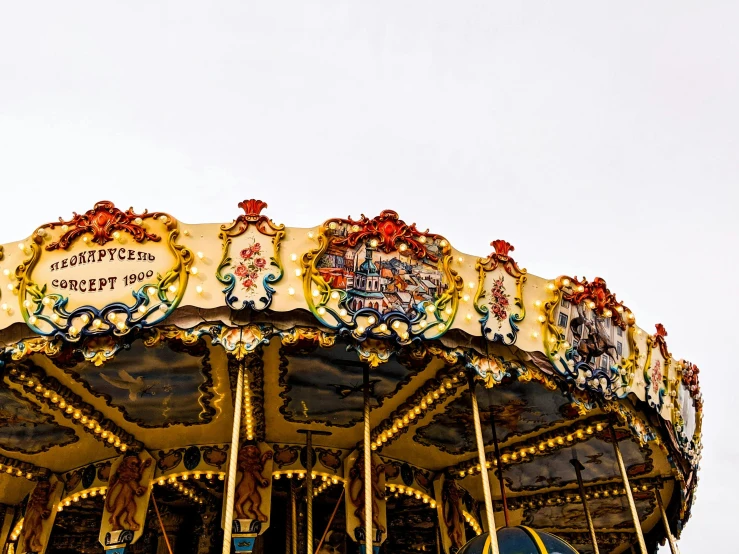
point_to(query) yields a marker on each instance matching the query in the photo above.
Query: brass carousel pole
(309, 486)
(294, 514)
(627, 487)
(670, 538)
(578, 469)
(233, 455)
(499, 462)
(309, 494)
(368, 538)
(492, 532)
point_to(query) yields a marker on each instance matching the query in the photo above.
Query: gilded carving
(125, 486)
(251, 465)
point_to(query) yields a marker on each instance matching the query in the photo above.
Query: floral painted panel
(252, 264)
(499, 302)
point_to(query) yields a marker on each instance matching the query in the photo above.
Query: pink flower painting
(499, 302)
(656, 376)
(249, 267)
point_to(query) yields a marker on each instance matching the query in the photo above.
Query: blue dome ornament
(519, 540)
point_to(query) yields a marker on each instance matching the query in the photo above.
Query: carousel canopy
(124, 332)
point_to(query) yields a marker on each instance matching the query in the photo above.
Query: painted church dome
(519, 540)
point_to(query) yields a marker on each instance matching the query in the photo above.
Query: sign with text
(103, 271)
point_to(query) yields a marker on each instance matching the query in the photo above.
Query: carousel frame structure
(170, 387)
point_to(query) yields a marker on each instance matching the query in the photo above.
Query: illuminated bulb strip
(472, 522)
(248, 414)
(542, 445)
(410, 491)
(9, 469)
(328, 478)
(56, 400)
(391, 428)
(189, 492)
(64, 502)
(172, 478)
(572, 496)
(17, 530)
(326, 482)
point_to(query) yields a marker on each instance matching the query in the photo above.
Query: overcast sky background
(598, 138)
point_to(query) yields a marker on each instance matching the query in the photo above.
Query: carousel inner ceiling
(167, 393)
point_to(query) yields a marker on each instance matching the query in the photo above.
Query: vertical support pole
(666, 523)
(492, 532)
(233, 456)
(294, 513)
(499, 461)
(309, 486)
(309, 494)
(368, 535)
(578, 469)
(627, 486)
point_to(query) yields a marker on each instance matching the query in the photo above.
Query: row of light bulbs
(15, 471)
(409, 491)
(425, 402)
(593, 492)
(61, 404)
(520, 453)
(248, 414)
(81, 495)
(186, 475)
(300, 474)
(189, 492)
(472, 522)
(16, 532)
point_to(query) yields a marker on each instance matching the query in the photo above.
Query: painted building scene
(383, 282)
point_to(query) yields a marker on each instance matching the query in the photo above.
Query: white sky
(599, 138)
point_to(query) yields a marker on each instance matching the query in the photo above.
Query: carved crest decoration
(501, 313)
(251, 258)
(381, 278)
(82, 265)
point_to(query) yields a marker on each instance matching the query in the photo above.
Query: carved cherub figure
(356, 491)
(125, 486)
(36, 512)
(248, 498)
(452, 510)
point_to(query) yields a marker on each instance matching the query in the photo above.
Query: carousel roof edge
(109, 272)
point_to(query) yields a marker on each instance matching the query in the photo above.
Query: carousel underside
(144, 361)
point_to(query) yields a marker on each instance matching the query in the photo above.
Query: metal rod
(492, 532)
(627, 486)
(294, 510)
(330, 521)
(161, 524)
(499, 461)
(670, 538)
(233, 455)
(368, 538)
(309, 486)
(309, 493)
(578, 469)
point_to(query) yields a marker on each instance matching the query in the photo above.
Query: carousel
(250, 387)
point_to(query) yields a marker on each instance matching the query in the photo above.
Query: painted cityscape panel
(391, 282)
